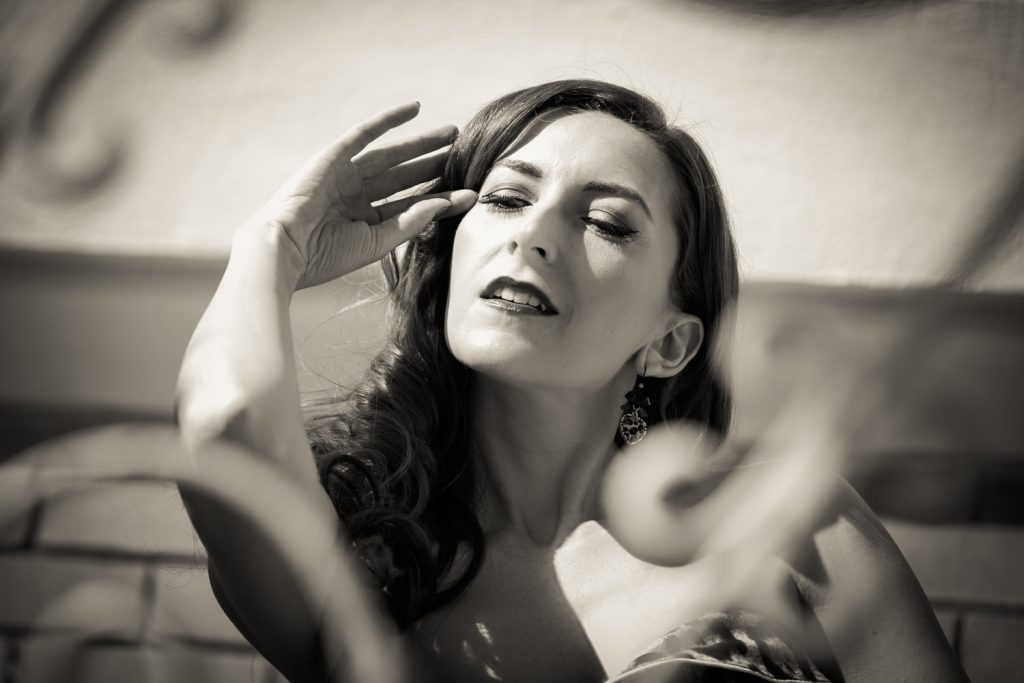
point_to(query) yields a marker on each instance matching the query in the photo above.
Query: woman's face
(561, 271)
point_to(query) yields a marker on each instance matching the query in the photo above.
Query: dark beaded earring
(633, 423)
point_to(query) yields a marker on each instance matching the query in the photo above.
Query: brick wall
(108, 583)
(972, 575)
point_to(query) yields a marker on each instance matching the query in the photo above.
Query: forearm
(238, 378)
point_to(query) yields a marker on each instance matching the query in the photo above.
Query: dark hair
(395, 458)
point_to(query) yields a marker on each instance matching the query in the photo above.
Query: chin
(495, 353)
(526, 366)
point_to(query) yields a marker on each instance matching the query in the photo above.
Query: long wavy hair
(395, 456)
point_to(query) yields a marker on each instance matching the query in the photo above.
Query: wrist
(266, 244)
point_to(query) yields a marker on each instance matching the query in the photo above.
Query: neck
(542, 453)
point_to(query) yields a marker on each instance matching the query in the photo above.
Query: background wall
(856, 147)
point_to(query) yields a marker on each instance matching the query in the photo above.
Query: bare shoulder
(869, 603)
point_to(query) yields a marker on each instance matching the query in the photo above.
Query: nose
(536, 236)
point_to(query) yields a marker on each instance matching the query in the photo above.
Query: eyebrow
(613, 189)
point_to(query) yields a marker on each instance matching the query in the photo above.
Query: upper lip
(522, 287)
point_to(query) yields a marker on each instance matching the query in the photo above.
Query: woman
(573, 252)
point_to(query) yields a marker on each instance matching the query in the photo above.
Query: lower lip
(512, 307)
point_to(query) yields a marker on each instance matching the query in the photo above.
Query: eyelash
(508, 203)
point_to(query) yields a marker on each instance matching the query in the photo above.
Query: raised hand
(330, 214)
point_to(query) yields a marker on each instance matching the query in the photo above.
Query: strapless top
(721, 647)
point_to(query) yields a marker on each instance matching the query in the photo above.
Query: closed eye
(611, 229)
(503, 202)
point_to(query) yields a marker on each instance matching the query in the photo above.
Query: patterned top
(721, 647)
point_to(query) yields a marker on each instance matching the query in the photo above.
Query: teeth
(509, 294)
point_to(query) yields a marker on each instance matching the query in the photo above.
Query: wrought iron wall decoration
(811, 8)
(46, 48)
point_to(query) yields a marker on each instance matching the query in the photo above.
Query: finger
(407, 175)
(461, 202)
(397, 229)
(355, 139)
(375, 161)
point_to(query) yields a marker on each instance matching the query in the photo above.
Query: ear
(668, 354)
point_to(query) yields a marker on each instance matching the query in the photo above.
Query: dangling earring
(632, 424)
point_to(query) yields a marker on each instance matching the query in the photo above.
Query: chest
(513, 623)
(580, 613)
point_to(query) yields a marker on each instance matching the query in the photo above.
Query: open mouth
(518, 296)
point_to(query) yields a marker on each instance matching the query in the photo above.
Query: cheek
(470, 242)
(465, 257)
(625, 300)
(616, 287)
(468, 254)
(621, 314)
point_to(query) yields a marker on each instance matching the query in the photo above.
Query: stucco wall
(859, 149)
